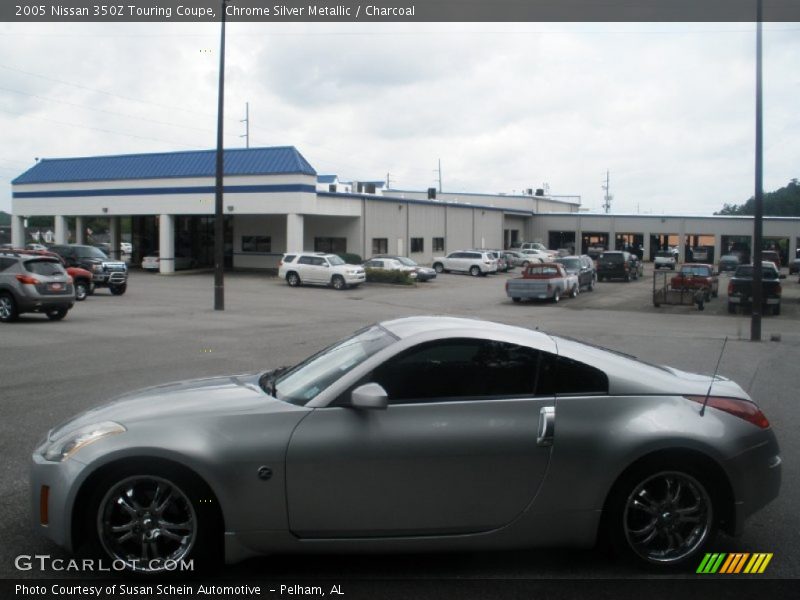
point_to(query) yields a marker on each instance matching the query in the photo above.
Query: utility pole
(388, 181)
(219, 229)
(755, 322)
(607, 198)
(440, 175)
(246, 122)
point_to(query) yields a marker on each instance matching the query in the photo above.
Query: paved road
(163, 329)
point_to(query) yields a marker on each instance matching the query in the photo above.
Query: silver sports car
(424, 433)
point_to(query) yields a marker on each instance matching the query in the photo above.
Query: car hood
(228, 394)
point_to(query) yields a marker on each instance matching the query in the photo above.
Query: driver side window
(458, 369)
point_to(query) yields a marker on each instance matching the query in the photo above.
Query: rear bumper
(44, 303)
(748, 301)
(756, 476)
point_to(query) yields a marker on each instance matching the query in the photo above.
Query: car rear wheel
(56, 314)
(516, 300)
(8, 308)
(152, 519)
(438, 267)
(293, 279)
(81, 290)
(118, 289)
(338, 283)
(662, 516)
(475, 271)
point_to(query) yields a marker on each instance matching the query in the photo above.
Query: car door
(462, 447)
(455, 261)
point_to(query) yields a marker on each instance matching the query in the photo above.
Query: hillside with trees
(784, 202)
(5, 218)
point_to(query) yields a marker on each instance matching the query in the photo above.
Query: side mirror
(369, 396)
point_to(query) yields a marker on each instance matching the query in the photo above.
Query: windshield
(697, 271)
(572, 264)
(90, 252)
(406, 261)
(746, 272)
(316, 373)
(664, 254)
(335, 261)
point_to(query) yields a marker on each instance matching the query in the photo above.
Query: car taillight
(778, 290)
(730, 288)
(744, 409)
(506, 284)
(27, 279)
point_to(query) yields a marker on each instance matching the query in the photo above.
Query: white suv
(665, 259)
(474, 262)
(320, 269)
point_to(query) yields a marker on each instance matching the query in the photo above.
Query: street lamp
(219, 230)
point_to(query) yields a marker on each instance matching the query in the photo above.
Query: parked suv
(112, 274)
(582, 267)
(474, 262)
(30, 283)
(320, 269)
(618, 265)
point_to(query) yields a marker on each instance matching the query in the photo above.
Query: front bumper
(113, 278)
(355, 279)
(62, 480)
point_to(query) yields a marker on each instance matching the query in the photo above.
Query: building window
(331, 245)
(256, 243)
(332, 187)
(380, 245)
(417, 245)
(438, 244)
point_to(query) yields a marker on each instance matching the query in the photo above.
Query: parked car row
(50, 281)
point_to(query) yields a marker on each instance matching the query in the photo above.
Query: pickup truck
(546, 281)
(740, 288)
(697, 276)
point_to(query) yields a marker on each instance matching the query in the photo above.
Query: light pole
(755, 321)
(219, 229)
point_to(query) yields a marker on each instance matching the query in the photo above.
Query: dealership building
(275, 202)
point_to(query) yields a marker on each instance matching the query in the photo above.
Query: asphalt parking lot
(164, 329)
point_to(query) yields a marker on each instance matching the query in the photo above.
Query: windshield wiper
(269, 380)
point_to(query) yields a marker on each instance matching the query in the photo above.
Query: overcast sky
(669, 109)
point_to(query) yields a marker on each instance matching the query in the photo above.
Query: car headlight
(97, 268)
(69, 443)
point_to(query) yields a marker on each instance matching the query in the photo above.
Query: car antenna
(714, 377)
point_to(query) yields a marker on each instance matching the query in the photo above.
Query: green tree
(784, 202)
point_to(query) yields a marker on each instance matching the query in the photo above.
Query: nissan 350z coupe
(423, 433)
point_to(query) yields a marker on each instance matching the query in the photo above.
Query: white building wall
(323, 226)
(273, 226)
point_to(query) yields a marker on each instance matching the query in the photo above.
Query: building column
(294, 233)
(682, 242)
(646, 247)
(113, 231)
(18, 231)
(61, 232)
(717, 248)
(792, 246)
(80, 230)
(166, 244)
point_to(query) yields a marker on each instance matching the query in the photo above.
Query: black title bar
(409, 11)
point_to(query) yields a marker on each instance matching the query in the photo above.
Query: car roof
(411, 326)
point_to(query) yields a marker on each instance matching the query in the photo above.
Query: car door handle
(547, 426)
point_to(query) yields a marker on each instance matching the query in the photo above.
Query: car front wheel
(293, 279)
(151, 520)
(556, 297)
(338, 282)
(663, 517)
(118, 289)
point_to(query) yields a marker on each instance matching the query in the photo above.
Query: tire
(127, 499)
(475, 271)
(81, 290)
(525, 264)
(628, 277)
(90, 291)
(776, 310)
(293, 279)
(338, 283)
(119, 289)
(591, 285)
(646, 509)
(438, 267)
(8, 308)
(517, 300)
(574, 292)
(56, 314)
(731, 308)
(556, 297)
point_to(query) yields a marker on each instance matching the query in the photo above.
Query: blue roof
(202, 163)
(326, 178)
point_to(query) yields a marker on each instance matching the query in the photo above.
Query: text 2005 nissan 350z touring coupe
(424, 433)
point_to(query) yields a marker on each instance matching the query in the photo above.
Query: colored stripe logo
(734, 563)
